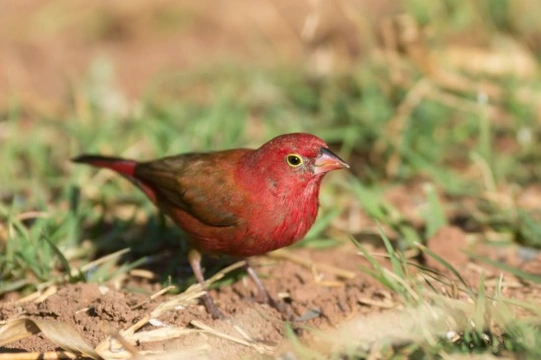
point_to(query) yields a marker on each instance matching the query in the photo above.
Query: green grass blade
(445, 263)
(507, 268)
(65, 263)
(435, 214)
(393, 256)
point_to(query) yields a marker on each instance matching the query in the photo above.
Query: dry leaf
(61, 334)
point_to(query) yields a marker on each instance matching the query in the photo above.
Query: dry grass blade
(126, 345)
(32, 215)
(510, 58)
(408, 254)
(154, 296)
(118, 347)
(104, 259)
(110, 348)
(145, 274)
(286, 255)
(161, 334)
(193, 353)
(400, 326)
(192, 293)
(86, 267)
(387, 304)
(39, 296)
(402, 282)
(472, 357)
(49, 355)
(61, 334)
(260, 348)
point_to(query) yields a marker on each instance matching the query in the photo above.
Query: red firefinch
(239, 202)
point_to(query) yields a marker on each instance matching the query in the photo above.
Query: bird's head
(295, 160)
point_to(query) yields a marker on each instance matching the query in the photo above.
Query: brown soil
(318, 299)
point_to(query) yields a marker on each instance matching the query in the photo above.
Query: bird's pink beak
(328, 161)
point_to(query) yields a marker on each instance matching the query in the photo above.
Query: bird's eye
(294, 160)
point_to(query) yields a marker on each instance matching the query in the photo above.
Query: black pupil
(294, 160)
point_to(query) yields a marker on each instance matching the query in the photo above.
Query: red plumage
(240, 202)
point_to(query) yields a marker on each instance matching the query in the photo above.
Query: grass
(439, 315)
(473, 152)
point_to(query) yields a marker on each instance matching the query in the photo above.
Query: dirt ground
(318, 299)
(319, 296)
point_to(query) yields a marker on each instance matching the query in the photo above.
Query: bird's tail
(122, 166)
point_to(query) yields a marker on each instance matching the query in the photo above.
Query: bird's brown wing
(200, 184)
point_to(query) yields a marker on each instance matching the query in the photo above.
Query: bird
(238, 202)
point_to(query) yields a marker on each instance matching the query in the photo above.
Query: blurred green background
(413, 92)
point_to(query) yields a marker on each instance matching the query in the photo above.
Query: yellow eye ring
(294, 160)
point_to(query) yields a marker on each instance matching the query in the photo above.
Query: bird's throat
(300, 212)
